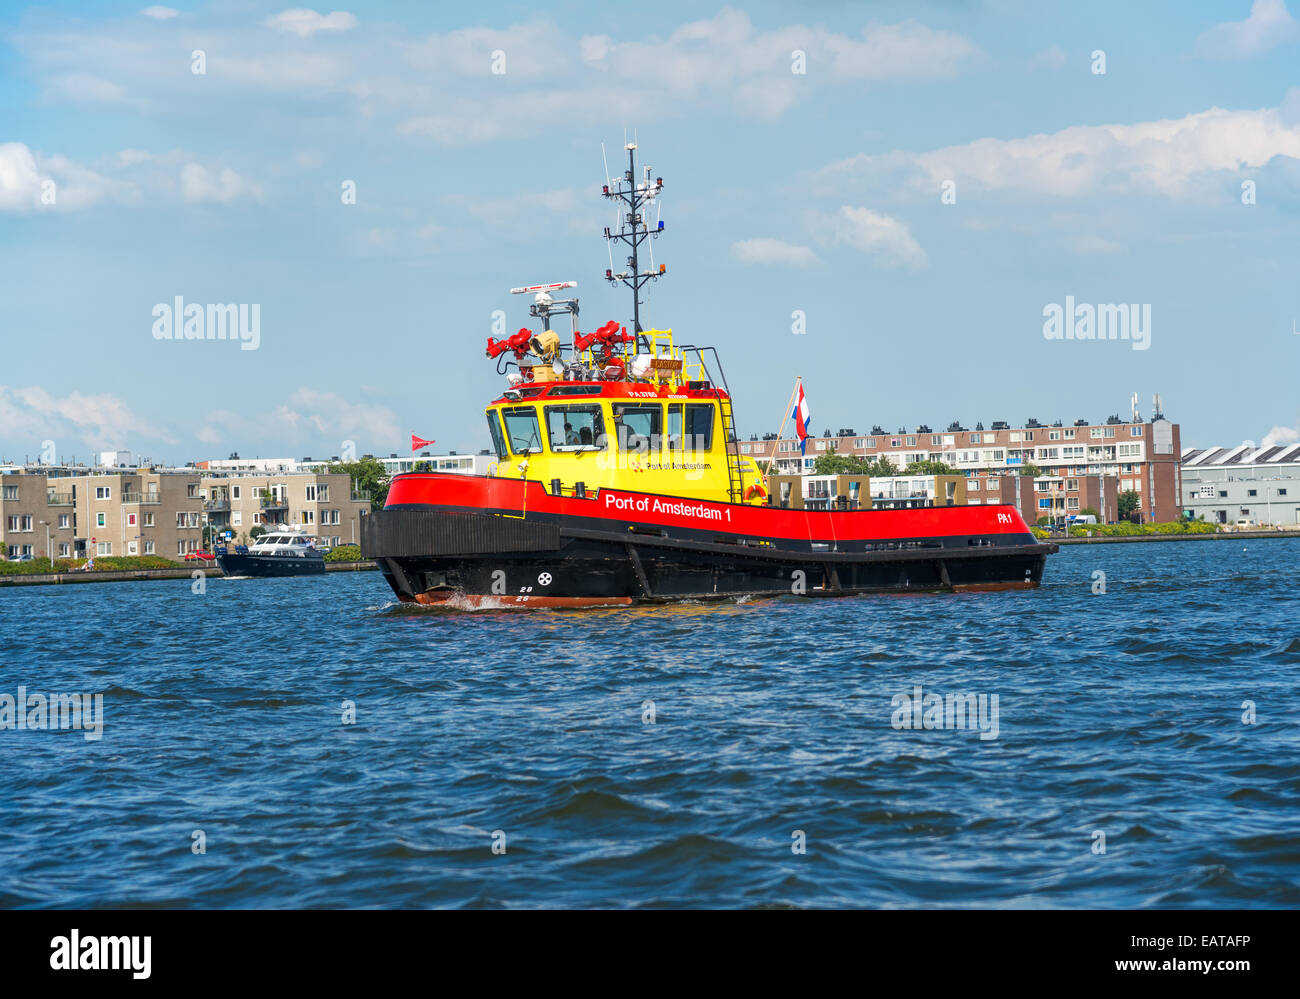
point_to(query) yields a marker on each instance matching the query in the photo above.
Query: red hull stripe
(623, 507)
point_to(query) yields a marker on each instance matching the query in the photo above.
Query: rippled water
(1119, 713)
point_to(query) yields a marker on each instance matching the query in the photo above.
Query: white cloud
(102, 421)
(1280, 435)
(159, 13)
(202, 184)
(305, 22)
(20, 181)
(417, 82)
(1170, 157)
(27, 177)
(307, 422)
(1052, 57)
(885, 238)
(1096, 244)
(1269, 24)
(88, 89)
(336, 419)
(772, 251)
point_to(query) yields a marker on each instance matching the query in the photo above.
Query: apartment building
(321, 503)
(1142, 457)
(137, 511)
(35, 518)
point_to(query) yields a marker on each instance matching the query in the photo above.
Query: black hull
(467, 560)
(270, 565)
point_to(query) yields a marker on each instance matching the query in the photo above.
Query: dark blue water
(1118, 713)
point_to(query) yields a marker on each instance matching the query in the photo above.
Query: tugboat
(619, 481)
(280, 552)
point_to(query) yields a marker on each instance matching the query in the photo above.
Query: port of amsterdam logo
(544, 579)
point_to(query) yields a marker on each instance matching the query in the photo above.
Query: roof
(1242, 455)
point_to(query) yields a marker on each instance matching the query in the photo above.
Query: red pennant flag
(419, 442)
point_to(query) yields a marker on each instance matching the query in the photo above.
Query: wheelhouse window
(575, 428)
(640, 426)
(522, 430)
(498, 441)
(699, 426)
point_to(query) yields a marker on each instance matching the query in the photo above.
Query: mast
(633, 230)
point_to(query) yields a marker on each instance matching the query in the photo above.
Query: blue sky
(818, 192)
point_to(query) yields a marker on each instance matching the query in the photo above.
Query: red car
(200, 557)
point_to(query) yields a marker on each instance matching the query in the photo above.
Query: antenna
(544, 304)
(1135, 408)
(1159, 408)
(633, 198)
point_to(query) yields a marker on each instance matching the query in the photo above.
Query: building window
(63, 520)
(130, 520)
(1281, 492)
(180, 547)
(309, 516)
(973, 484)
(1251, 492)
(131, 548)
(976, 438)
(104, 548)
(236, 518)
(234, 492)
(1053, 435)
(871, 442)
(191, 490)
(1069, 435)
(148, 520)
(323, 491)
(99, 520)
(63, 549)
(895, 442)
(311, 494)
(103, 492)
(148, 547)
(911, 442)
(1135, 431)
(11, 492)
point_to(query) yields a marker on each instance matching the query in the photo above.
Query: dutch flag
(802, 417)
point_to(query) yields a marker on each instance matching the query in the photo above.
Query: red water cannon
(608, 336)
(517, 343)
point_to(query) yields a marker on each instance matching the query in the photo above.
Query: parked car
(23, 558)
(200, 557)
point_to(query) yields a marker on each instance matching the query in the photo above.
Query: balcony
(273, 503)
(60, 499)
(150, 499)
(361, 497)
(218, 503)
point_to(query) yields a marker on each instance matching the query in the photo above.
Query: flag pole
(786, 415)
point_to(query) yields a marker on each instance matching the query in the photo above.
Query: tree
(1029, 468)
(929, 468)
(368, 476)
(1128, 504)
(256, 531)
(850, 464)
